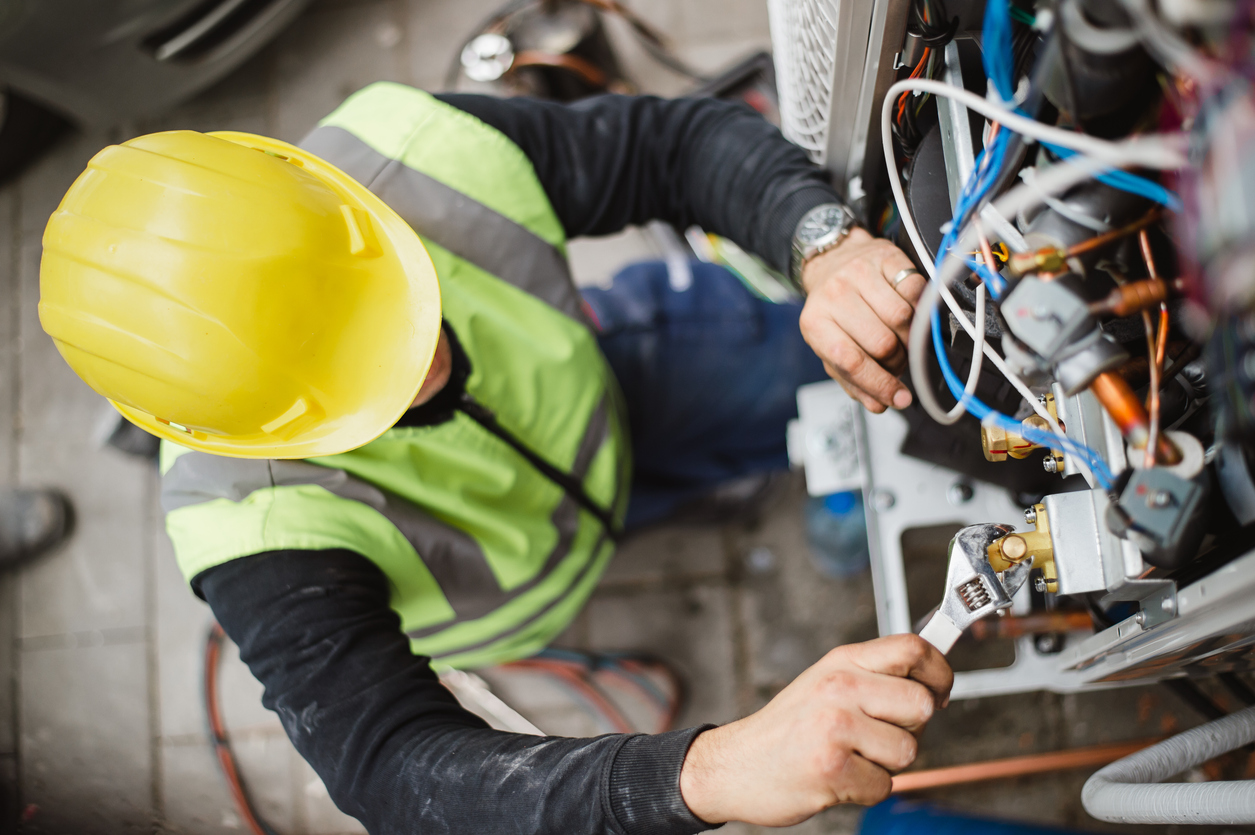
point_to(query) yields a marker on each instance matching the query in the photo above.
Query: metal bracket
(956, 130)
(1159, 607)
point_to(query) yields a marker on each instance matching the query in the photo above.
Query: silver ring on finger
(902, 275)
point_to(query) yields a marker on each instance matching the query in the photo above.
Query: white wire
(912, 231)
(1057, 178)
(978, 357)
(1170, 48)
(1161, 151)
(1076, 216)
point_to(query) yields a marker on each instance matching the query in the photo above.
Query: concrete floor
(101, 729)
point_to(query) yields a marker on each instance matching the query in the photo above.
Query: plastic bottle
(836, 530)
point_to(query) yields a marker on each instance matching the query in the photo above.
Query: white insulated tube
(1130, 791)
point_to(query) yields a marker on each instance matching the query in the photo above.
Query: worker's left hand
(857, 321)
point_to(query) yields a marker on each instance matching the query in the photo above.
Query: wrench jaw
(973, 589)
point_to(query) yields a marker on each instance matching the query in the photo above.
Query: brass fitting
(1048, 260)
(1015, 548)
(998, 444)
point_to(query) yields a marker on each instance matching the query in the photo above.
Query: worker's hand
(857, 322)
(834, 735)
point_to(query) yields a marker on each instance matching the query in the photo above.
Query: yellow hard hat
(238, 295)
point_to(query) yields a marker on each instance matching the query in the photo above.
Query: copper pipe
(1127, 411)
(1152, 396)
(1143, 241)
(1158, 347)
(1134, 297)
(1037, 623)
(954, 775)
(1139, 225)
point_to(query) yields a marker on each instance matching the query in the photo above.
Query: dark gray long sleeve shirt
(393, 746)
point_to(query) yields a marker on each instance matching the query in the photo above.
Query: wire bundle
(1097, 157)
(929, 26)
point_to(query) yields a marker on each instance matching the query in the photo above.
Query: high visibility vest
(488, 558)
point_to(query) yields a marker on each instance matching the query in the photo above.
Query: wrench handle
(941, 632)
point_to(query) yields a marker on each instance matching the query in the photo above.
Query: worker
(397, 435)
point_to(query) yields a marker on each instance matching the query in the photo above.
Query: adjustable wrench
(973, 589)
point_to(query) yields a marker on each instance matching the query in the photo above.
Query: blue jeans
(710, 376)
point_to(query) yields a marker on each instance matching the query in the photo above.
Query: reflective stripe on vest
(455, 560)
(487, 559)
(438, 213)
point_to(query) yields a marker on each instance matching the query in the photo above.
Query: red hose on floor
(218, 735)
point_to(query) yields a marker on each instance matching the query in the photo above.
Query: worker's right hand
(834, 735)
(857, 321)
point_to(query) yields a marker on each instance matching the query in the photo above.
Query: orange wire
(915, 73)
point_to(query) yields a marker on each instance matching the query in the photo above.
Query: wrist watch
(819, 230)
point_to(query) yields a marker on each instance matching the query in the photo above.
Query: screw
(960, 493)
(1049, 464)
(1168, 605)
(883, 500)
(1140, 617)
(1159, 499)
(1039, 583)
(1048, 644)
(1030, 515)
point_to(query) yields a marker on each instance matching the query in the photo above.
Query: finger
(861, 781)
(892, 309)
(870, 403)
(893, 261)
(834, 346)
(899, 701)
(912, 287)
(883, 744)
(858, 319)
(876, 342)
(906, 656)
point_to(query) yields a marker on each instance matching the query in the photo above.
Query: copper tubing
(1158, 347)
(1090, 244)
(1152, 398)
(1134, 297)
(954, 775)
(1039, 623)
(1127, 411)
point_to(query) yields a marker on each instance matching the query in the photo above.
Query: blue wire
(996, 52)
(1125, 181)
(996, 39)
(997, 284)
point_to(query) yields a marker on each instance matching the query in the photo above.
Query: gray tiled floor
(101, 728)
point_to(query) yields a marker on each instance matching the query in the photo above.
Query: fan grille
(804, 39)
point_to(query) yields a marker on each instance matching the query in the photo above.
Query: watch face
(820, 223)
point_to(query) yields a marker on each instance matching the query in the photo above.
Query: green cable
(1023, 16)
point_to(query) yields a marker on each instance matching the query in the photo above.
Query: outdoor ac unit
(830, 82)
